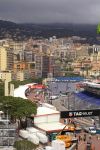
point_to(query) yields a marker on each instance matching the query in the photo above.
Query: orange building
(19, 66)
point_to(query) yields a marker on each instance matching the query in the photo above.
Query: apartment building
(6, 75)
(95, 70)
(81, 51)
(38, 65)
(18, 49)
(10, 58)
(23, 75)
(19, 66)
(44, 64)
(3, 58)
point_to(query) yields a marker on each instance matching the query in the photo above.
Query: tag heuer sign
(80, 113)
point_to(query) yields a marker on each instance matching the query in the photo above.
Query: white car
(53, 97)
(92, 130)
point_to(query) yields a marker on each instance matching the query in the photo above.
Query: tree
(17, 83)
(1, 88)
(18, 108)
(98, 28)
(24, 145)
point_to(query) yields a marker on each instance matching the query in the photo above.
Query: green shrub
(24, 145)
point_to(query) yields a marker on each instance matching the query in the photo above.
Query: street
(71, 102)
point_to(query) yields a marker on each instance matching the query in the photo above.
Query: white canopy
(20, 91)
(46, 111)
(51, 127)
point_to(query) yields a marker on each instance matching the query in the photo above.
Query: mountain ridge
(26, 30)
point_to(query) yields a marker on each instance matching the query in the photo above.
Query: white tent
(20, 91)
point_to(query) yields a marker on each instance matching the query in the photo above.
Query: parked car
(53, 97)
(90, 130)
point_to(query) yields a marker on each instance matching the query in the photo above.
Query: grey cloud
(45, 11)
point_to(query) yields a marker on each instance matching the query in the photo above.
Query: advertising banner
(79, 113)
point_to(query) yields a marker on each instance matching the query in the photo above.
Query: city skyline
(50, 11)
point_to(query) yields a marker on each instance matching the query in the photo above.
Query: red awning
(38, 86)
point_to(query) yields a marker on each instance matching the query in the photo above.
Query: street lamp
(67, 86)
(74, 101)
(68, 100)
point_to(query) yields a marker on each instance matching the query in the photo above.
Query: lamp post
(67, 87)
(74, 101)
(68, 100)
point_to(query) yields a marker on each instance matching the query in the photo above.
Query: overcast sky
(51, 11)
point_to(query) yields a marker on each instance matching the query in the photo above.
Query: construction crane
(64, 137)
